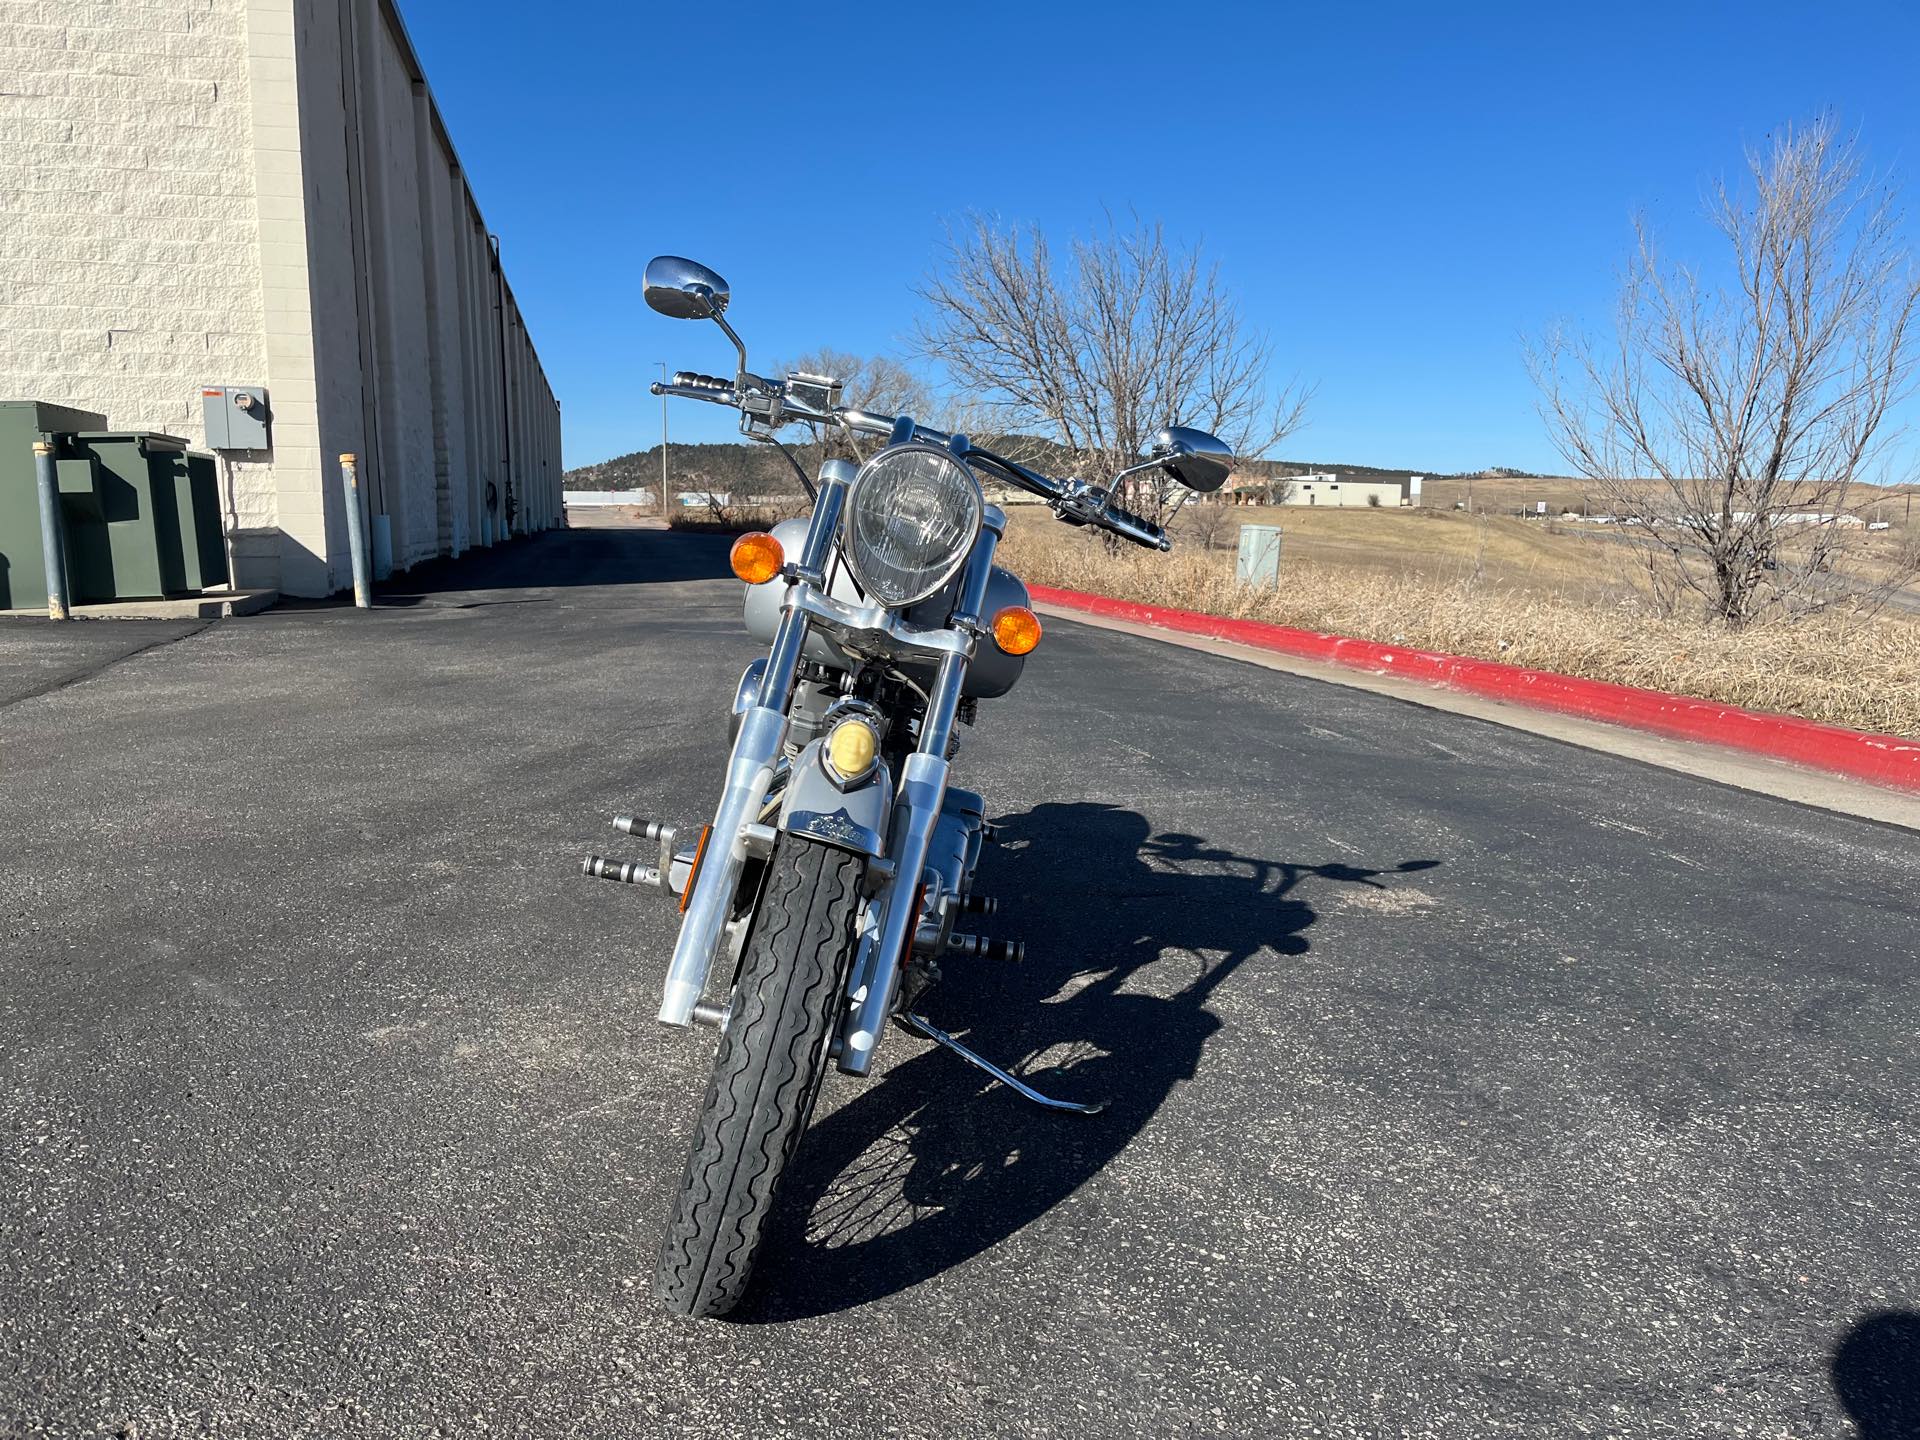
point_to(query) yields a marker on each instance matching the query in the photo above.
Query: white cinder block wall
(200, 192)
(129, 254)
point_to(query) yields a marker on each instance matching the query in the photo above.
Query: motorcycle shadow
(1128, 935)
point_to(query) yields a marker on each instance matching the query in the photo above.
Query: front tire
(772, 1057)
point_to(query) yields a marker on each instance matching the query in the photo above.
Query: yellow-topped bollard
(53, 532)
(357, 533)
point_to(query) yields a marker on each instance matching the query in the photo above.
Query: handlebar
(1074, 501)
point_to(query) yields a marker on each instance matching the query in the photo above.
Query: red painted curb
(1882, 759)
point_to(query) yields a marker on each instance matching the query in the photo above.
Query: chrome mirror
(1196, 459)
(684, 289)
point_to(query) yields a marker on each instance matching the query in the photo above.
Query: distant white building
(1327, 488)
(588, 498)
(1806, 517)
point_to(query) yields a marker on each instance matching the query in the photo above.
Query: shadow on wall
(933, 1163)
(1876, 1374)
(257, 558)
(561, 559)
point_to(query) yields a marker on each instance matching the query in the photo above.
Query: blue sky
(1400, 193)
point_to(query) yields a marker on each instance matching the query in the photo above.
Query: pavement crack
(101, 667)
(587, 1110)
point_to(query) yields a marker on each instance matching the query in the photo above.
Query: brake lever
(1081, 503)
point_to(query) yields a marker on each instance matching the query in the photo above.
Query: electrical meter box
(237, 417)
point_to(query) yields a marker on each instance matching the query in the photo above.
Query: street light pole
(663, 439)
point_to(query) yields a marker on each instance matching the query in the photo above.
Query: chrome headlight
(913, 513)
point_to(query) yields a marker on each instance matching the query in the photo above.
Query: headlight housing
(913, 513)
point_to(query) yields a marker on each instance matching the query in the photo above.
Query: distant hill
(751, 468)
(725, 466)
(744, 469)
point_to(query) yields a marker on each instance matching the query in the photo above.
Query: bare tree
(719, 504)
(1730, 424)
(873, 382)
(1097, 353)
(1209, 520)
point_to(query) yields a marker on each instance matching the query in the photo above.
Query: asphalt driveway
(1460, 1083)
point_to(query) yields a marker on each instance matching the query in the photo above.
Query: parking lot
(1459, 1083)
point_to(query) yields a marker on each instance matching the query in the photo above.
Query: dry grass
(1436, 545)
(702, 522)
(734, 519)
(1840, 669)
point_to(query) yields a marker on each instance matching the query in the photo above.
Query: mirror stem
(1113, 489)
(738, 344)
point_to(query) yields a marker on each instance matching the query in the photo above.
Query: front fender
(851, 819)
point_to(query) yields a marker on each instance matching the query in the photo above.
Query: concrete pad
(207, 605)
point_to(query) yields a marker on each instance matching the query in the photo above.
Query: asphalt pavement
(1459, 1082)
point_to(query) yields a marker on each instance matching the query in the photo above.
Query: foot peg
(978, 947)
(631, 873)
(940, 1037)
(979, 905)
(645, 829)
(668, 877)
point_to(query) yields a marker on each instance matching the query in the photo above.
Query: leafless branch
(1730, 425)
(1098, 351)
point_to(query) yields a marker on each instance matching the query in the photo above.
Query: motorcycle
(831, 884)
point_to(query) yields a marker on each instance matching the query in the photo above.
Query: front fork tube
(749, 772)
(763, 728)
(923, 790)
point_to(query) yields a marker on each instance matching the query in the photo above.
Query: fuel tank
(993, 671)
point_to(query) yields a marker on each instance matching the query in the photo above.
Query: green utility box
(1258, 559)
(141, 511)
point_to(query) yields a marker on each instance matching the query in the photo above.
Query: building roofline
(417, 74)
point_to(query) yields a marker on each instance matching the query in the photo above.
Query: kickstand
(940, 1037)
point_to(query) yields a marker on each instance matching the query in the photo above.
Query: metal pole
(357, 533)
(663, 441)
(506, 411)
(53, 538)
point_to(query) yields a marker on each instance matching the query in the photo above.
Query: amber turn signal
(756, 557)
(1016, 629)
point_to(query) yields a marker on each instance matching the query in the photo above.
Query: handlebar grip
(694, 380)
(1137, 528)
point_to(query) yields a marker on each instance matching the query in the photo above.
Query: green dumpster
(159, 526)
(23, 571)
(142, 512)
